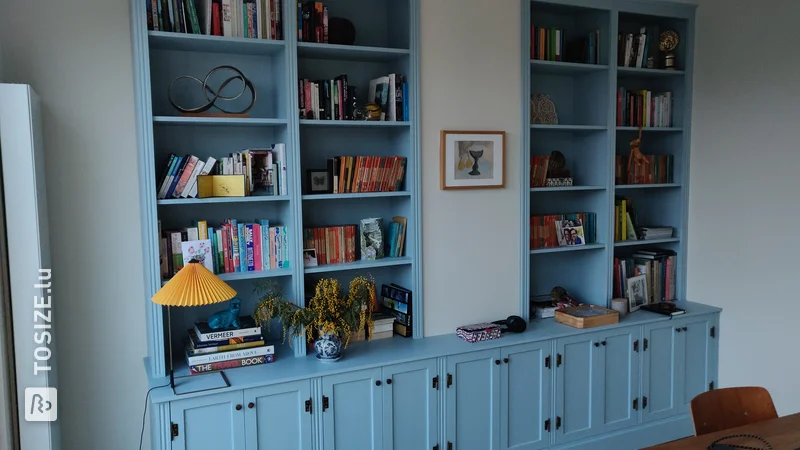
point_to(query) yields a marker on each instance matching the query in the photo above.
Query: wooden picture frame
(472, 159)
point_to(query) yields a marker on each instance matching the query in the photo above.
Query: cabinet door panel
(659, 378)
(525, 396)
(410, 406)
(278, 420)
(210, 421)
(473, 401)
(353, 418)
(575, 388)
(695, 361)
(620, 380)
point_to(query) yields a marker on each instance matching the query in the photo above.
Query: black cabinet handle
(684, 328)
(597, 344)
(497, 361)
(251, 405)
(678, 329)
(604, 343)
(505, 360)
(388, 381)
(377, 382)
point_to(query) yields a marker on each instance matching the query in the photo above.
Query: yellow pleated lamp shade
(194, 285)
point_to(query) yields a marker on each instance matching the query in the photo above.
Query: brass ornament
(668, 42)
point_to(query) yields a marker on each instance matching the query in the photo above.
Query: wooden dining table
(782, 433)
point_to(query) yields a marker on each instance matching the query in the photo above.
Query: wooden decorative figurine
(636, 157)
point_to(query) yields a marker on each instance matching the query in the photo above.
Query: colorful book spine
(244, 362)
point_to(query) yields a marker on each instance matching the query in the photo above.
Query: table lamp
(193, 285)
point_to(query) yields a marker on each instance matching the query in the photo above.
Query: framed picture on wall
(472, 159)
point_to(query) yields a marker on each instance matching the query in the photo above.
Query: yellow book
(220, 186)
(202, 229)
(624, 221)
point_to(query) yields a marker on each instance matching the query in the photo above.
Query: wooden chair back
(726, 408)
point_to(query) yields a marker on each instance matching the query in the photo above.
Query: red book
(216, 20)
(258, 264)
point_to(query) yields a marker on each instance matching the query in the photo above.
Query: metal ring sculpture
(212, 96)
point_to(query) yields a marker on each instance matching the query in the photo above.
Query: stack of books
(382, 326)
(655, 232)
(660, 267)
(208, 350)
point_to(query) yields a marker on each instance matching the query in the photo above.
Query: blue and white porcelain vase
(328, 347)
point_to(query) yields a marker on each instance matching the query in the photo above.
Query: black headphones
(515, 324)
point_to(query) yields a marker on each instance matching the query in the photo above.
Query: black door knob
(684, 328)
(238, 407)
(251, 405)
(604, 343)
(388, 381)
(597, 344)
(505, 360)
(377, 382)
(497, 361)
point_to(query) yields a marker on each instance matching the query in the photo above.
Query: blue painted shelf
(355, 123)
(564, 68)
(645, 242)
(652, 129)
(359, 265)
(273, 273)
(540, 126)
(349, 52)
(574, 248)
(219, 121)
(161, 40)
(648, 73)
(212, 200)
(647, 186)
(356, 195)
(568, 188)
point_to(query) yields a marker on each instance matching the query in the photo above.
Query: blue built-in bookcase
(386, 41)
(587, 133)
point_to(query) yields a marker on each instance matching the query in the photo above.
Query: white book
(229, 355)
(205, 10)
(192, 179)
(207, 167)
(200, 250)
(227, 24)
(391, 115)
(280, 152)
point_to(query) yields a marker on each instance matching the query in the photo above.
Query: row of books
(210, 350)
(545, 235)
(539, 166)
(634, 49)
(265, 171)
(255, 19)
(349, 243)
(549, 44)
(334, 100)
(659, 267)
(232, 247)
(627, 227)
(652, 169)
(396, 300)
(312, 22)
(643, 108)
(366, 173)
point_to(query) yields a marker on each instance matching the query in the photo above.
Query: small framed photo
(570, 232)
(472, 159)
(637, 292)
(309, 257)
(318, 181)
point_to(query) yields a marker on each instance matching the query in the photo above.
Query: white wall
(471, 80)
(743, 240)
(77, 56)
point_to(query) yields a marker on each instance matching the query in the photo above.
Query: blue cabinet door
(352, 406)
(410, 406)
(576, 386)
(209, 422)
(276, 417)
(618, 404)
(694, 340)
(660, 383)
(525, 396)
(472, 392)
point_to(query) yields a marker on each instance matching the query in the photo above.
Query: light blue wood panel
(525, 396)
(278, 419)
(353, 419)
(349, 52)
(659, 375)
(696, 359)
(648, 73)
(162, 40)
(473, 400)
(579, 99)
(579, 272)
(267, 73)
(539, 66)
(576, 386)
(410, 406)
(207, 422)
(619, 381)
(584, 152)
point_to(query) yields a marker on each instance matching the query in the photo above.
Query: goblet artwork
(476, 155)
